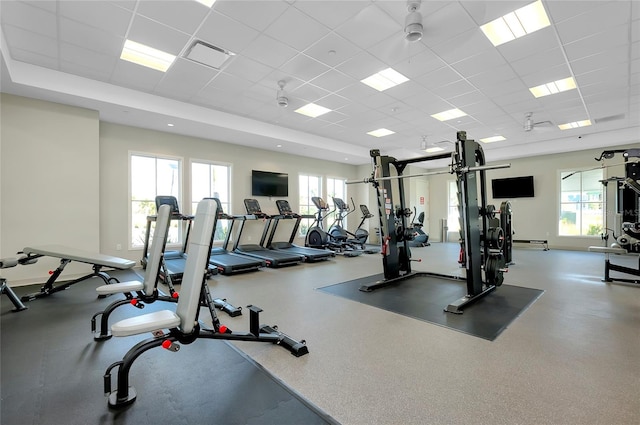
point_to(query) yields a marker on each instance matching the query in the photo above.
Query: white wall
(49, 191)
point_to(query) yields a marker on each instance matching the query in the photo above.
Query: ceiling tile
(333, 81)
(445, 23)
(479, 63)
(296, 29)
(134, 76)
(334, 101)
(454, 89)
(361, 66)
(256, 14)
(38, 59)
(460, 47)
(42, 4)
(310, 93)
(597, 43)
(248, 69)
(185, 79)
(80, 56)
(91, 38)
(369, 26)
(439, 77)
(29, 18)
(100, 14)
(158, 36)
(332, 50)
(538, 62)
(268, 51)
(537, 42)
(304, 67)
(420, 64)
(228, 83)
(613, 56)
(598, 19)
(395, 49)
(185, 16)
(226, 33)
(492, 76)
(325, 11)
(21, 39)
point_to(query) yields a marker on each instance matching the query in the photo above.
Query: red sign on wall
(422, 200)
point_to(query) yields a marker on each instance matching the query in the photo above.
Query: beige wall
(537, 217)
(117, 141)
(49, 194)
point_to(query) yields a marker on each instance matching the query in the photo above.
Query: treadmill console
(283, 207)
(253, 207)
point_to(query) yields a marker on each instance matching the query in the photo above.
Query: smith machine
(481, 231)
(626, 229)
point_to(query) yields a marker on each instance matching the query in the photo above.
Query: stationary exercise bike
(317, 237)
(420, 238)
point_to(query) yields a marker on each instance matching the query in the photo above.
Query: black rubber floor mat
(424, 297)
(52, 371)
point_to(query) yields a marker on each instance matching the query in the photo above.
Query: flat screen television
(267, 183)
(512, 187)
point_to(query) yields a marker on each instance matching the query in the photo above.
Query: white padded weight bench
(67, 255)
(608, 267)
(146, 290)
(182, 324)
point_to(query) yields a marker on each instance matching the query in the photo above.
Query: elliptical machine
(355, 240)
(317, 237)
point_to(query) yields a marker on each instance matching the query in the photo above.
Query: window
(152, 176)
(453, 215)
(336, 188)
(211, 180)
(308, 187)
(581, 203)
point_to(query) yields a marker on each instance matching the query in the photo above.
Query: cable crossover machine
(483, 238)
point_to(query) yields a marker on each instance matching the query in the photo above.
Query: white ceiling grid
(322, 49)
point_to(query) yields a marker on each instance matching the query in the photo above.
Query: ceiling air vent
(207, 54)
(609, 118)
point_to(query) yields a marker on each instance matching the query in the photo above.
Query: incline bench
(608, 267)
(67, 255)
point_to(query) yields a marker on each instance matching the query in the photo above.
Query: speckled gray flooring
(571, 358)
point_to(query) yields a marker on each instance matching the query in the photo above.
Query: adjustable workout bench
(608, 267)
(182, 324)
(5, 263)
(67, 255)
(146, 292)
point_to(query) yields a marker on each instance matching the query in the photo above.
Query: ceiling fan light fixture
(413, 27)
(281, 96)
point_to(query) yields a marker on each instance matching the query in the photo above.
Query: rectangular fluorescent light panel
(492, 139)
(312, 110)
(207, 54)
(146, 56)
(433, 149)
(574, 124)
(449, 115)
(385, 79)
(381, 132)
(516, 24)
(207, 3)
(553, 87)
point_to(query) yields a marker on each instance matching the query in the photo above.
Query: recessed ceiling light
(146, 56)
(553, 87)
(449, 115)
(574, 124)
(170, 125)
(492, 139)
(433, 149)
(385, 79)
(312, 110)
(278, 146)
(518, 23)
(381, 132)
(207, 3)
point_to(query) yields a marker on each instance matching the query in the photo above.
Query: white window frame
(573, 174)
(331, 183)
(223, 225)
(179, 196)
(453, 225)
(305, 223)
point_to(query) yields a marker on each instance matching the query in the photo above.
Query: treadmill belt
(52, 371)
(424, 297)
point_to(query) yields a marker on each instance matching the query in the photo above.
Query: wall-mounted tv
(266, 183)
(512, 187)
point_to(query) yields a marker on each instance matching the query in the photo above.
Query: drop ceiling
(69, 52)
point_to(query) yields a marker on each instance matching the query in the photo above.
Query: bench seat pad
(121, 287)
(163, 319)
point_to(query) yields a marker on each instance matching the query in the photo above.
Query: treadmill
(230, 262)
(285, 213)
(272, 257)
(174, 261)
